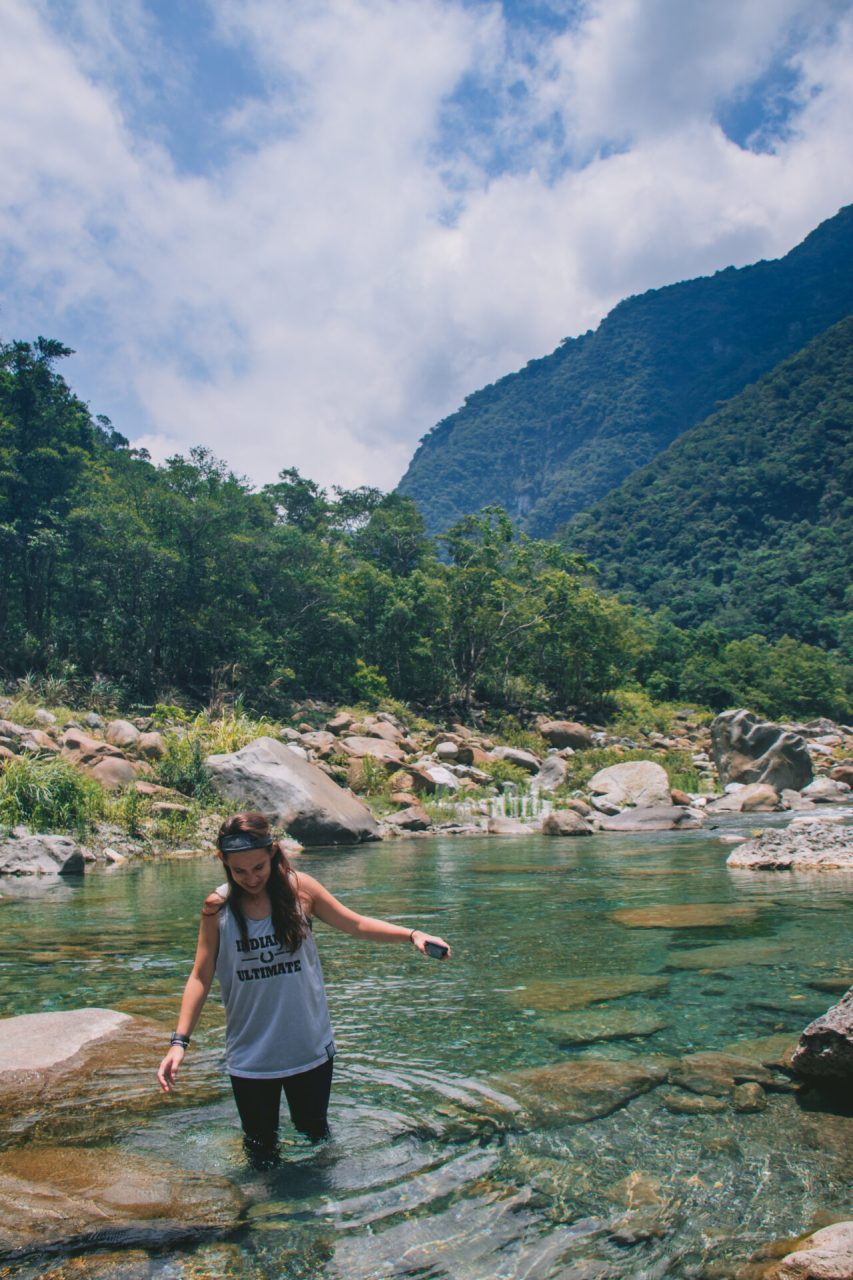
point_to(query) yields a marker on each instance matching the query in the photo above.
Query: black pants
(259, 1101)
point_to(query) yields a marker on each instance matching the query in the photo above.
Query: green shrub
(183, 767)
(503, 771)
(49, 795)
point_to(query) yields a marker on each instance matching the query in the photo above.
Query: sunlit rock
(576, 993)
(580, 1089)
(587, 1026)
(64, 1196)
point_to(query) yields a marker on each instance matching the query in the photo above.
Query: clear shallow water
(424, 1176)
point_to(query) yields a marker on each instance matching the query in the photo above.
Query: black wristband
(177, 1038)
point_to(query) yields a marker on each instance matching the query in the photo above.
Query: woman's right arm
(195, 992)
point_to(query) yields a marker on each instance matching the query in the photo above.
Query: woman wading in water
(255, 935)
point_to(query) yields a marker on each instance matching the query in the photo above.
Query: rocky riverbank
(343, 779)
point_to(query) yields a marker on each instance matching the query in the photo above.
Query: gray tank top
(276, 1017)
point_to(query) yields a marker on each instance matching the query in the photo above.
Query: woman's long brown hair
(289, 923)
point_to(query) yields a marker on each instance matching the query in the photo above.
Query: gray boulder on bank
(749, 749)
(24, 854)
(806, 846)
(826, 1046)
(314, 810)
(659, 817)
(565, 822)
(638, 782)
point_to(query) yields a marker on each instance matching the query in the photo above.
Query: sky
(300, 232)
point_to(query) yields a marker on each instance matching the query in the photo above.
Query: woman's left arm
(326, 907)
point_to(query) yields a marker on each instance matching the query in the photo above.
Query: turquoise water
(426, 1175)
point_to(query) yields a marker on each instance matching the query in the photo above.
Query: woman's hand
(420, 940)
(169, 1067)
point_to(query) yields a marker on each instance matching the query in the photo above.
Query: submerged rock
(728, 955)
(587, 1026)
(717, 1073)
(825, 1050)
(810, 846)
(688, 915)
(71, 1196)
(267, 775)
(581, 1089)
(577, 993)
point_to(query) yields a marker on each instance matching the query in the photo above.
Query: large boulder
(658, 817)
(57, 1197)
(638, 782)
(121, 733)
(25, 854)
(269, 776)
(808, 846)
(566, 733)
(749, 749)
(826, 1046)
(827, 791)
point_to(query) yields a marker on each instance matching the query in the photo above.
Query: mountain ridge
(549, 440)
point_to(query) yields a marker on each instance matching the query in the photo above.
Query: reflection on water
(559, 951)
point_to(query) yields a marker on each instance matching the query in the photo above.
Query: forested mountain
(549, 441)
(746, 520)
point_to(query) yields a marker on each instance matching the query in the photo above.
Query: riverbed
(428, 1173)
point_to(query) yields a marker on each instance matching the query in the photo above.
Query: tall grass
(49, 795)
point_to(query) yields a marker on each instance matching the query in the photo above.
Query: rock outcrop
(636, 782)
(806, 846)
(825, 1050)
(749, 749)
(25, 854)
(566, 733)
(293, 793)
(825, 1255)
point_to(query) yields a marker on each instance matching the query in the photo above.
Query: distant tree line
(182, 581)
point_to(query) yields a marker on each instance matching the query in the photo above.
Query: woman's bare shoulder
(215, 901)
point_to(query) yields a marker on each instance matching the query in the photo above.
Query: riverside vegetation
(124, 582)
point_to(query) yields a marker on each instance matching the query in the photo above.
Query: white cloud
(308, 301)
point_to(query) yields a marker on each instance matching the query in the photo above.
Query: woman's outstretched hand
(420, 940)
(169, 1067)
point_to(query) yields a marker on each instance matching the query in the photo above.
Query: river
(424, 1176)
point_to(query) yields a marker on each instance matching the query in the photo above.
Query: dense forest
(746, 520)
(182, 581)
(549, 441)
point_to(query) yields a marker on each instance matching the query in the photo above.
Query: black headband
(241, 840)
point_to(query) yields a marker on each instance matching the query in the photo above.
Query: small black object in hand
(436, 950)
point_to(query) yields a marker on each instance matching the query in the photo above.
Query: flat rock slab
(100, 1072)
(729, 955)
(81, 1196)
(813, 846)
(690, 915)
(583, 1089)
(770, 1051)
(658, 817)
(588, 1026)
(577, 993)
(34, 1041)
(717, 1073)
